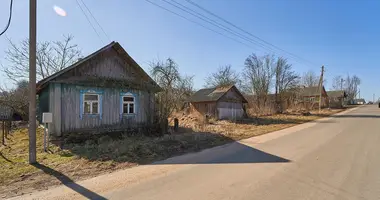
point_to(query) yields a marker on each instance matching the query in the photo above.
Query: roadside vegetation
(104, 154)
(81, 156)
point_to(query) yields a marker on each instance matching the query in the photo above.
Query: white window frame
(128, 103)
(91, 102)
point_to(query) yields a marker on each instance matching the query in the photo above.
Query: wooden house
(106, 89)
(310, 95)
(220, 103)
(336, 98)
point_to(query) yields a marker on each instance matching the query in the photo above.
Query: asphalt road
(333, 158)
(337, 158)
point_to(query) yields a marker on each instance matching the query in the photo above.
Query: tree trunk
(3, 133)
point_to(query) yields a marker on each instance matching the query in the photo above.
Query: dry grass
(246, 128)
(102, 155)
(81, 161)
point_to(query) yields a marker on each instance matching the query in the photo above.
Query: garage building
(220, 102)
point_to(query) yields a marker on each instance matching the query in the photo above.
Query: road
(336, 159)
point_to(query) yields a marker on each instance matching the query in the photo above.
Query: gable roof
(311, 91)
(120, 51)
(336, 93)
(213, 94)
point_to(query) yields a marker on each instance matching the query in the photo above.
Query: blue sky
(342, 35)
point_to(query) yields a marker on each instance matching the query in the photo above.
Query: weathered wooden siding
(106, 65)
(230, 110)
(231, 96)
(232, 105)
(204, 108)
(71, 120)
(55, 108)
(43, 103)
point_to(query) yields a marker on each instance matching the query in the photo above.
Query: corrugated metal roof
(212, 94)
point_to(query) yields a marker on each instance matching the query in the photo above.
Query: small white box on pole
(47, 117)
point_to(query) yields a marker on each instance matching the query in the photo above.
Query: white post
(47, 135)
(45, 138)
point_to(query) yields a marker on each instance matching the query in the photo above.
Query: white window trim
(128, 103)
(90, 101)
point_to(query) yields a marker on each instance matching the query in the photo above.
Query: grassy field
(94, 157)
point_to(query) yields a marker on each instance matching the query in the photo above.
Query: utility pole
(32, 80)
(341, 84)
(321, 87)
(373, 99)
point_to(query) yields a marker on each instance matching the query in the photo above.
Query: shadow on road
(356, 116)
(69, 182)
(229, 154)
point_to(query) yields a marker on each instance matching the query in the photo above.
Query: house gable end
(111, 65)
(105, 65)
(233, 95)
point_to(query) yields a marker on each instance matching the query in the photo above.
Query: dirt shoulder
(104, 155)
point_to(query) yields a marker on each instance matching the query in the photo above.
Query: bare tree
(337, 83)
(16, 99)
(166, 75)
(176, 89)
(225, 76)
(184, 89)
(51, 57)
(310, 79)
(258, 73)
(285, 78)
(351, 86)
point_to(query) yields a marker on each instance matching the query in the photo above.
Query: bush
(104, 139)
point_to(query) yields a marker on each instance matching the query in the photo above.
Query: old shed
(336, 98)
(220, 103)
(104, 90)
(311, 95)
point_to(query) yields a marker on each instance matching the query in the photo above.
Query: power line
(9, 19)
(104, 32)
(214, 23)
(225, 28)
(230, 23)
(199, 24)
(89, 21)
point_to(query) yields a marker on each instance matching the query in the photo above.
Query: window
(128, 104)
(90, 103)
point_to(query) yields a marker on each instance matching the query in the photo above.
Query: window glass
(128, 104)
(131, 108)
(87, 107)
(128, 99)
(125, 108)
(95, 106)
(90, 97)
(90, 103)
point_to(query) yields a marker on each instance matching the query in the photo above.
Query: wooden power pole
(32, 80)
(321, 88)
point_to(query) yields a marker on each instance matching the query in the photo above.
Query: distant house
(336, 98)
(220, 103)
(359, 101)
(103, 90)
(311, 95)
